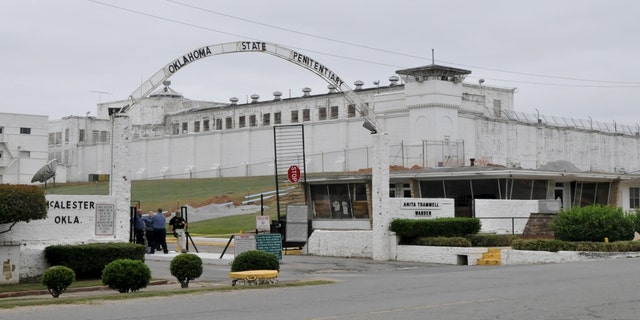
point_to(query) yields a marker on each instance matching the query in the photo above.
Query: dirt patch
(217, 200)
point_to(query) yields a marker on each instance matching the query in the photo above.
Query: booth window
(634, 198)
(339, 201)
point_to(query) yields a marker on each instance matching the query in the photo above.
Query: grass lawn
(171, 194)
(30, 286)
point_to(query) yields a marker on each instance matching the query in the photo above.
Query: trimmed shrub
(593, 223)
(492, 240)
(585, 246)
(539, 245)
(57, 279)
(88, 260)
(409, 229)
(443, 241)
(186, 267)
(255, 260)
(126, 275)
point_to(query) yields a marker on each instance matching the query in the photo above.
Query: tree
(21, 203)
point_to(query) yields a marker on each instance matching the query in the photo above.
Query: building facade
(23, 146)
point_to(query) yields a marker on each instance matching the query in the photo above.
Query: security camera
(369, 126)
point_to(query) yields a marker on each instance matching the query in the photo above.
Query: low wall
(442, 255)
(71, 219)
(338, 243)
(514, 257)
(357, 244)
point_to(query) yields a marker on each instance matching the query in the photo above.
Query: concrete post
(380, 197)
(120, 180)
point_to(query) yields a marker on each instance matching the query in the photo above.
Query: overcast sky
(566, 58)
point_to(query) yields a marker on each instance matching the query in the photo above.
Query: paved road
(365, 289)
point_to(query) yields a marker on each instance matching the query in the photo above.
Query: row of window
(55, 138)
(324, 113)
(23, 130)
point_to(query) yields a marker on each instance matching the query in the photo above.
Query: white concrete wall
(336, 243)
(515, 257)
(442, 255)
(503, 210)
(71, 219)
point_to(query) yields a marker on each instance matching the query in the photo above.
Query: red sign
(293, 174)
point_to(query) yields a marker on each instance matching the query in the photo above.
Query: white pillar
(380, 197)
(120, 180)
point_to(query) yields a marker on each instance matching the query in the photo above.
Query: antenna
(100, 93)
(433, 56)
(45, 173)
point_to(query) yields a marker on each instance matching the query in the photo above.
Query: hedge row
(559, 245)
(441, 227)
(88, 260)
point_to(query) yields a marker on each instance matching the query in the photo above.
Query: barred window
(351, 113)
(322, 113)
(634, 198)
(294, 116)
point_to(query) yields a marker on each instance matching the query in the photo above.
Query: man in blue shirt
(138, 226)
(158, 223)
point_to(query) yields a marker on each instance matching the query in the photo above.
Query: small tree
(186, 267)
(57, 279)
(21, 203)
(126, 275)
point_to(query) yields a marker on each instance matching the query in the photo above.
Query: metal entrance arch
(253, 46)
(380, 168)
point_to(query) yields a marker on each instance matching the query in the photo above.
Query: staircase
(490, 258)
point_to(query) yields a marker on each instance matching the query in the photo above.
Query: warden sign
(425, 208)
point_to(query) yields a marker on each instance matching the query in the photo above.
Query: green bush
(593, 223)
(22, 203)
(409, 229)
(186, 267)
(443, 241)
(584, 246)
(635, 220)
(88, 260)
(255, 260)
(57, 279)
(492, 240)
(126, 275)
(540, 245)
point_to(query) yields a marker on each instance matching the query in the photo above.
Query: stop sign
(293, 174)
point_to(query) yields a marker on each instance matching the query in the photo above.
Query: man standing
(138, 226)
(177, 224)
(159, 231)
(148, 224)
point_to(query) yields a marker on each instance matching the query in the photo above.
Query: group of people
(151, 230)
